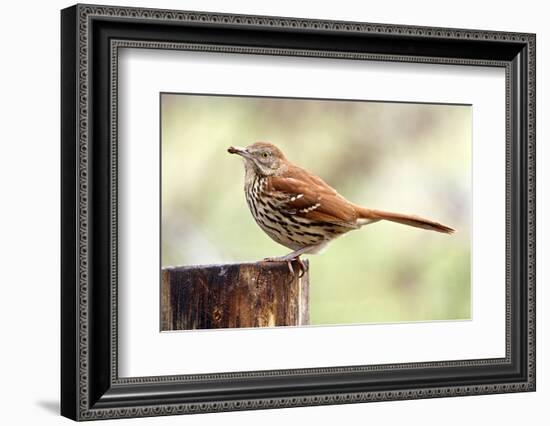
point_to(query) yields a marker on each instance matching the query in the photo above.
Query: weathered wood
(262, 294)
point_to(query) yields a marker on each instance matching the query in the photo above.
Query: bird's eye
(265, 154)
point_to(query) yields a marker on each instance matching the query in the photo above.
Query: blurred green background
(403, 157)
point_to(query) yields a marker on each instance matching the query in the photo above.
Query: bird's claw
(301, 265)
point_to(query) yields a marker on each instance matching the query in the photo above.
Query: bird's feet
(289, 260)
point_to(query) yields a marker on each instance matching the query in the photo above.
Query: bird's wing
(304, 195)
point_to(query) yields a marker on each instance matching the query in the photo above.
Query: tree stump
(262, 294)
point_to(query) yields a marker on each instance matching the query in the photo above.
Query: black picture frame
(90, 386)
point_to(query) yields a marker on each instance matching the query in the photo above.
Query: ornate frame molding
(78, 24)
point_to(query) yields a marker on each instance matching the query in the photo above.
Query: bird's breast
(287, 229)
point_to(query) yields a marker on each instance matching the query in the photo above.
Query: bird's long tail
(418, 222)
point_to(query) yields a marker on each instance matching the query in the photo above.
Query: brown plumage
(299, 210)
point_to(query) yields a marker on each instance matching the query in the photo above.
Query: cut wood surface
(261, 294)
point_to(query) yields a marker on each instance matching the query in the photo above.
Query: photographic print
(311, 212)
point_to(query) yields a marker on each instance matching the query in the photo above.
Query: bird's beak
(239, 151)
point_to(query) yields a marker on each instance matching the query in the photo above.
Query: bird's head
(265, 158)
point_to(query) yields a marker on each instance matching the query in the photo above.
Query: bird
(299, 210)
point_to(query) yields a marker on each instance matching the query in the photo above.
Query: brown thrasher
(299, 210)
